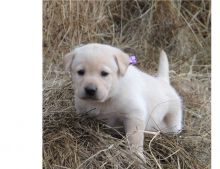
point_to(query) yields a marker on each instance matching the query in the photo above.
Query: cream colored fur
(127, 95)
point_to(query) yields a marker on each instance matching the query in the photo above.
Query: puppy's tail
(163, 70)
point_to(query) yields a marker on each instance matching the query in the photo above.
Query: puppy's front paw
(141, 156)
(137, 153)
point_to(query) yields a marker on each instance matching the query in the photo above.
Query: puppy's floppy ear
(122, 61)
(68, 58)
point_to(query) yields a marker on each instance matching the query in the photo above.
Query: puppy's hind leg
(173, 121)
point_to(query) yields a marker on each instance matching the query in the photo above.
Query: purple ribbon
(132, 59)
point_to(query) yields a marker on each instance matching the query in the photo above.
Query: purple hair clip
(132, 59)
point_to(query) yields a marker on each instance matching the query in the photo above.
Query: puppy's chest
(106, 112)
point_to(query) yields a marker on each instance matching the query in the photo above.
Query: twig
(171, 154)
(155, 135)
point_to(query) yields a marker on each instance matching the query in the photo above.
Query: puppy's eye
(81, 72)
(104, 73)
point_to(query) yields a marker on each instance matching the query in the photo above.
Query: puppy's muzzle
(90, 90)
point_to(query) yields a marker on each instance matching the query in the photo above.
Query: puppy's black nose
(91, 90)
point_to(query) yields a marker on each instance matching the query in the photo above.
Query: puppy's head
(95, 70)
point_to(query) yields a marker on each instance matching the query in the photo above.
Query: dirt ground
(181, 28)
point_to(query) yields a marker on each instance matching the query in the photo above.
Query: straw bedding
(181, 28)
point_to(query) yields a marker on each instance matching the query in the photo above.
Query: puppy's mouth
(92, 98)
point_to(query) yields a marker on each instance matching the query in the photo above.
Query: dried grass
(182, 28)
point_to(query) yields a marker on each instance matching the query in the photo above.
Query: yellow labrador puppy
(108, 87)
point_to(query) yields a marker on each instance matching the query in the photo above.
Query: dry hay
(182, 28)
